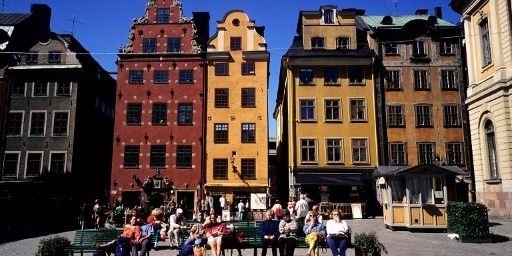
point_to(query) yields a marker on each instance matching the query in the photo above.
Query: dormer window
(419, 48)
(391, 48)
(31, 58)
(162, 15)
(329, 16)
(342, 43)
(317, 43)
(54, 57)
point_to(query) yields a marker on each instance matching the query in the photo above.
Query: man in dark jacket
(269, 233)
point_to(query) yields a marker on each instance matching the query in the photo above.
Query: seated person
(196, 234)
(338, 233)
(176, 223)
(268, 231)
(288, 235)
(315, 233)
(214, 232)
(122, 245)
(144, 244)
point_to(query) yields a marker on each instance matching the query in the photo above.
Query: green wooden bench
(84, 240)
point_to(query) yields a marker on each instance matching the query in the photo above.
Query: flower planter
(360, 252)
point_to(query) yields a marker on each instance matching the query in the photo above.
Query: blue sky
(104, 24)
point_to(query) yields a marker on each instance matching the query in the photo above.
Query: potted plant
(366, 244)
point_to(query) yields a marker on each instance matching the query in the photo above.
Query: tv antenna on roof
(73, 21)
(3, 5)
(395, 4)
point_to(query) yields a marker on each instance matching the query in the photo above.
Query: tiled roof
(297, 50)
(400, 21)
(13, 18)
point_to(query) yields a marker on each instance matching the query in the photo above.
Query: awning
(319, 178)
(418, 169)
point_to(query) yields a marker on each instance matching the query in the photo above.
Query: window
(133, 113)
(398, 153)
(57, 162)
(332, 110)
(186, 76)
(248, 168)
(485, 42)
(359, 150)
(446, 47)
(220, 133)
(420, 80)
(18, 89)
(162, 15)
(342, 43)
(60, 123)
(34, 164)
(135, 77)
(14, 123)
(11, 164)
(391, 48)
(329, 16)
(248, 97)
(157, 157)
(308, 150)
(355, 75)
(159, 114)
(396, 116)
(317, 43)
(149, 45)
(334, 153)
(451, 115)
(222, 69)
(32, 58)
(425, 153)
(184, 156)
(185, 114)
(423, 115)
(306, 76)
(62, 88)
(307, 110)
(40, 89)
(419, 48)
(454, 153)
(393, 80)
(331, 75)
(398, 187)
(249, 133)
(37, 123)
(220, 169)
(131, 156)
(161, 76)
(248, 68)
(173, 44)
(448, 80)
(222, 98)
(357, 110)
(491, 150)
(54, 57)
(235, 43)
(420, 190)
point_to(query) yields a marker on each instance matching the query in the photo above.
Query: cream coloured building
(487, 36)
(237, 119)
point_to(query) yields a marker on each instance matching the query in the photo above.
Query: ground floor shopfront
(226, 198)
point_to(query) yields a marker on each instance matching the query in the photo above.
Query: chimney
(438, 12)
(42, 14)
(421, 12)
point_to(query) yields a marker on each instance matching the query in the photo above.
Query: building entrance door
(186, 201)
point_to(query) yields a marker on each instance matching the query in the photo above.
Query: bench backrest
(91, 236)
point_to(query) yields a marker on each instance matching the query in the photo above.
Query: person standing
(278, 210)
(97, 214)
(287, 235)
(269, 232)
(338, 233)
(241, 210)
(291, 206)
(301, 208)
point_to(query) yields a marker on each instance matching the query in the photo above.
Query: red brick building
(157, 145)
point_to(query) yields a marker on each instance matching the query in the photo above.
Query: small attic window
(387, 20)
(236, 22)
(329, 16)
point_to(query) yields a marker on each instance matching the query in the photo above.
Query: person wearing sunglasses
(338, 233)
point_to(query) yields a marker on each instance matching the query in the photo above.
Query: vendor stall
(415, 197)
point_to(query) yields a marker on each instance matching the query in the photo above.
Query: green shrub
(368, 242)
(53, 246)
(468, 220)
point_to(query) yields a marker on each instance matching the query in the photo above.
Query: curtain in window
(397, 191)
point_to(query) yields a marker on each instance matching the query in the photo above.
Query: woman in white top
(337, 234)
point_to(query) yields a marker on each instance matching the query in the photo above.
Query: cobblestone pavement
(396, 242)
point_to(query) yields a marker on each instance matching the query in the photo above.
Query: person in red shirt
(214, 232)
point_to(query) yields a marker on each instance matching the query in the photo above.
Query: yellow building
(237, 124)
(326, 119)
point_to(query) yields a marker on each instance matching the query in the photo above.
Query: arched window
(491, 148)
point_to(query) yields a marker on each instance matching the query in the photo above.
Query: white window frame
(362, 82)
(350, 99)
(316, 150)
(55, 89)
(24, 89)
(22, 122)
(335, 17)
(53, 122)
(26, 162)
(425, 47)
(47, 90)
(338, 41)
(315, 111)
(57, 152)
(340, 109)
(45, 123)
(367, 150)
(342, 150)
(444, 45)
(17, 167)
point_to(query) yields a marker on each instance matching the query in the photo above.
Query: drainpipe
(202, 179)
